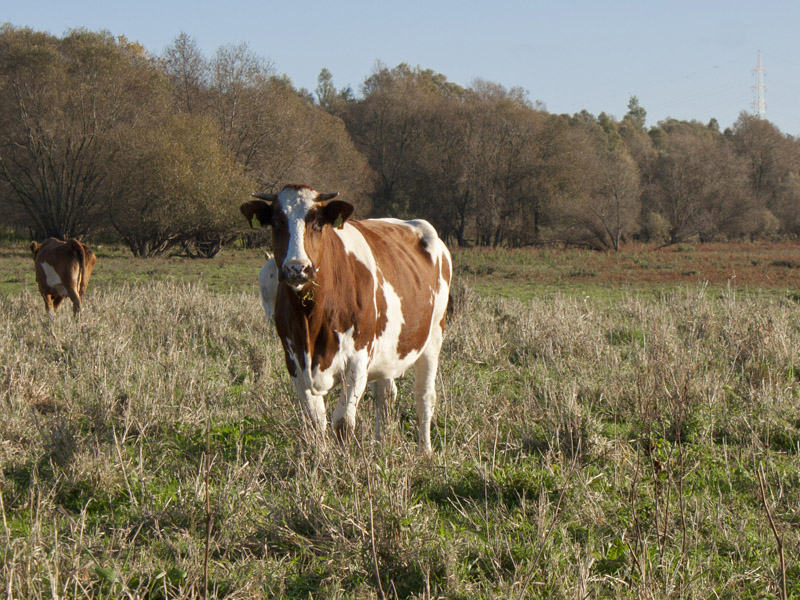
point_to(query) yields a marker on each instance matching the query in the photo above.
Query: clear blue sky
(687, 59)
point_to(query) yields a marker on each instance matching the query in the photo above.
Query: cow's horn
(324, 197)
(265, 196)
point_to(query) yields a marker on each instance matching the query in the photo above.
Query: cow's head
(300, 218)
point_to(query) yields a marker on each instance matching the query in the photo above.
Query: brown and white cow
(63, 270)
(356, 302)
(384, 391)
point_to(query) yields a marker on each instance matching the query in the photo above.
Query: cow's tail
(79, 253)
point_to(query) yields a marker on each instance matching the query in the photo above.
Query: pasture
(608, 426)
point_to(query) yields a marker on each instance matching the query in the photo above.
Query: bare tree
(189, 72)
(273, 131)
(177, 187)
(386, 126)
(604, 207)
(771, 162)
(237, 83)
(698, 184)
(64, 103)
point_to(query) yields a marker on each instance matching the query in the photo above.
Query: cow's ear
(35, 247)
(337, 212)
(257, 212)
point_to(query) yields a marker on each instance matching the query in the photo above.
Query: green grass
(520, 274)
(233, 270)
(585, 445)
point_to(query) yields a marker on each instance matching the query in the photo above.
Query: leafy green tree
(639, 146)
(636, 115)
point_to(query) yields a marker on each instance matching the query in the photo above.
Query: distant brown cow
(62, 269)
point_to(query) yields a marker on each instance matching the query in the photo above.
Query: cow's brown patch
(410, 270)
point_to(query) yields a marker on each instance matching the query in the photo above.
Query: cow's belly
(381, 361)
(389, 357)
(357, 365)
(349, 362)
(386, 364)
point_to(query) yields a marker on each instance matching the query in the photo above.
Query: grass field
(620, 426)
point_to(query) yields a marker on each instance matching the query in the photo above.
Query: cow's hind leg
(48, 302)
(75, 297)
(384, 394)
(425, 389)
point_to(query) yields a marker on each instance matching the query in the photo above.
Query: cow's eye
(317, 224)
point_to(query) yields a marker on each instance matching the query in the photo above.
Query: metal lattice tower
(760, 104)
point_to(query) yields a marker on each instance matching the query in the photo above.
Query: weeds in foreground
(643, 449)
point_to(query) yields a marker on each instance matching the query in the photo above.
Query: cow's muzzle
(297, 274)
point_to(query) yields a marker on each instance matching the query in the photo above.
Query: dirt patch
(755, 266)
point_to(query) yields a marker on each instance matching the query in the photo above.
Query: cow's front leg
(354, 382)
(56, 300)
(313, 406)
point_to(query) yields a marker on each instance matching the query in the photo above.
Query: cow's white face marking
(296, 204)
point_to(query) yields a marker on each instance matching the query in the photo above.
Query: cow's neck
(324, 295)
(314, 307)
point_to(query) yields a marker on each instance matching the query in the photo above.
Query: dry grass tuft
(646, 447)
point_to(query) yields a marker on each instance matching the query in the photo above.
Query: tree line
(98, 137)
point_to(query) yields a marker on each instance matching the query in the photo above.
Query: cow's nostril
(298, 272)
